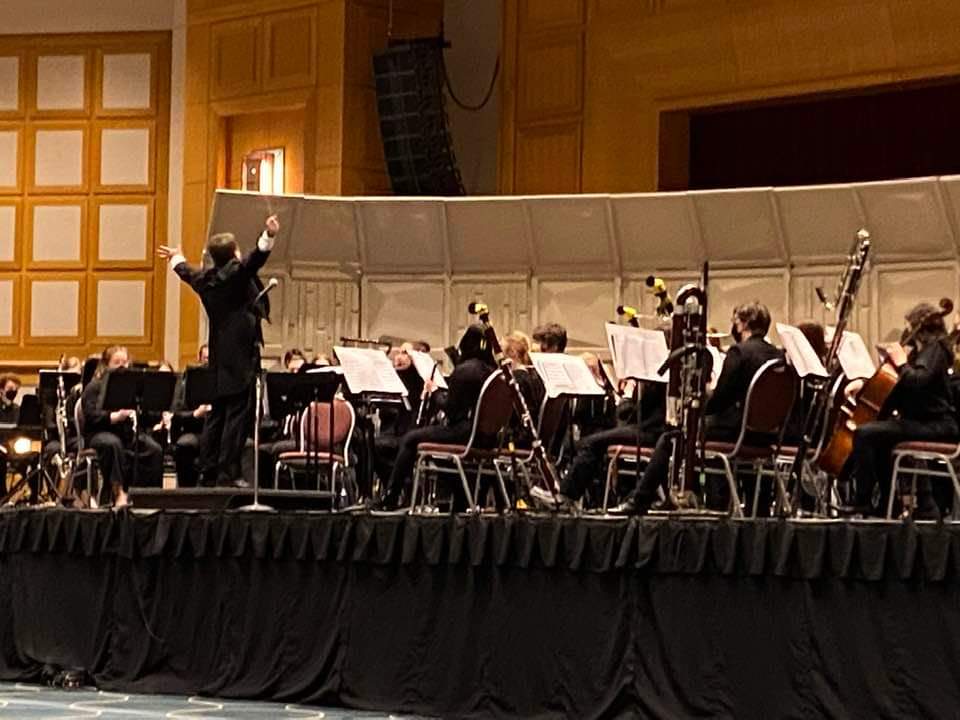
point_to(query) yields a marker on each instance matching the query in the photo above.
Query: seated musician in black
(397, 420)
(187, 428)
(110, 433)
(516, 348)
(924, 409)
(588, 468)
(475, 364)
(724, 411)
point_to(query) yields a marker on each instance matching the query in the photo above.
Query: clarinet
(546, 467)
(425, 401)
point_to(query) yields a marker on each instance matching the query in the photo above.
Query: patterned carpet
(25, 702)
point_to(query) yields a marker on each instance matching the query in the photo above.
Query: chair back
(321, 433)
(78, 423)
(769, 399)
(494, 409)
(553, 417)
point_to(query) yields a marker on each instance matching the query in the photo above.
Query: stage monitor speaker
(413, 120)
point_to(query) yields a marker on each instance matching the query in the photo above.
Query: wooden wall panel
(548, 159)
(655, 56)
(290, 50)
(72, 242)
(539, 14)
(236, 48)
(551, 75)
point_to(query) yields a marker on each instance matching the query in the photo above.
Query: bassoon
(543, 463)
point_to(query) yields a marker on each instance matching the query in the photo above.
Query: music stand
(201, 386)
(143, 391)
(28, 425)
(292, 393)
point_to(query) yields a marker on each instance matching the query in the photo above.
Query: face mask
(735, 334)
(11, 395)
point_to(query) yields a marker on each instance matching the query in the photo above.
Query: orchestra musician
(229, 292)
(187, 427)
(724, 411)
(111, 433)
(550, 338)
(516, 347)
(475, 364)
(9, 407)
(923, 407)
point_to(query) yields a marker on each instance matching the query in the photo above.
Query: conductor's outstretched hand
(272, 225)
(167, 252)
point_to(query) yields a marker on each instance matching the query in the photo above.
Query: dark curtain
(880, 135)
(477, 617)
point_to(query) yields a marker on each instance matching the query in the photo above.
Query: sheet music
(369, 371)
(424, 363)
(801, 353)
(637, 353)
(854, 357)
(565, 375)
(718, 358)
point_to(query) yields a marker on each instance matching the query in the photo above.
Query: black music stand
(29, 425)
(201, 386)
(143, 391)
(292, 393)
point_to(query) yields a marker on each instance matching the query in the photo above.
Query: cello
(870, 401)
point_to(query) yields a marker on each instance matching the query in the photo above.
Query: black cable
(486, 97)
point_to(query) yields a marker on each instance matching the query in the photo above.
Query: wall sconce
(263, 171)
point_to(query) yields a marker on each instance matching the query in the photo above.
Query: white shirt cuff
(265, 242)
(176, 260)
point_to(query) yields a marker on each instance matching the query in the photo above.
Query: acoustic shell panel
(326, 233)
(8, 232)
(126, 81)
(594, 301)
(819, 222)
(489, 235)
(403, 236)
(739, 226)
(9, 83)
(906, 218)
(405, 309)
(572, 234)
(656, 232)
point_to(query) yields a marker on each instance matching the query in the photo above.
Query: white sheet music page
(424, 363)
(565, 375)
(369, 371)
(637, 353)
(801, 353)
(854, 357)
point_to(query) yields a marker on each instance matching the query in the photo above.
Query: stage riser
(491, 617)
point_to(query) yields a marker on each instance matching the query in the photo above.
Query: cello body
(852, 414)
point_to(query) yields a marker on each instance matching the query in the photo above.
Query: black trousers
(116, 458)
(658, 469)
(224, 434)
(871, 458)
(588, 467)
(402, 473)
(186, 450)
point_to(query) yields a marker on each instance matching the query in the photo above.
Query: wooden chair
(324, 442)
(493, 411)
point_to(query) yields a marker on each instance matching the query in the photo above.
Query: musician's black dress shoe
(630, 506)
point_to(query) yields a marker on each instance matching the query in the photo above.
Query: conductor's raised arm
(258, 256)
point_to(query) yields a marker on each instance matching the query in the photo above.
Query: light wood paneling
(33, 231)
(551, 76)
(16, 309)
(540, 14)
(12, 82)
(548, 159)
(236, 48)
(85, 267)
(290, 49)
(7, 129)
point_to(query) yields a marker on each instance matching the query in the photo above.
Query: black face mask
(735, 334)
(10, 395)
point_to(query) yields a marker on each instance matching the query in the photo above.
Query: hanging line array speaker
(413, 119)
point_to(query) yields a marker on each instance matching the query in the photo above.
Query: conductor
(231, 294)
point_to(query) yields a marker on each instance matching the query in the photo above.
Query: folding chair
(553, 413)
(324, 442)
(815, 481)
(493, 411)
(917, 456)
(85, 457)
(629, 455)
(766, 410)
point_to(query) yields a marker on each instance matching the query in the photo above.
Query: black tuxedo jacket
(227, 294)
(725, 407)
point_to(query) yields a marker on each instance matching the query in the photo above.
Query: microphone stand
(257, 506)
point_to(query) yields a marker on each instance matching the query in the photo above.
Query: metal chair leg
(611, 474)
(503, 488)
(955, 510)
(735, 509)
(471, 501)
(417, 470)
(894, 477)
(756, 492)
